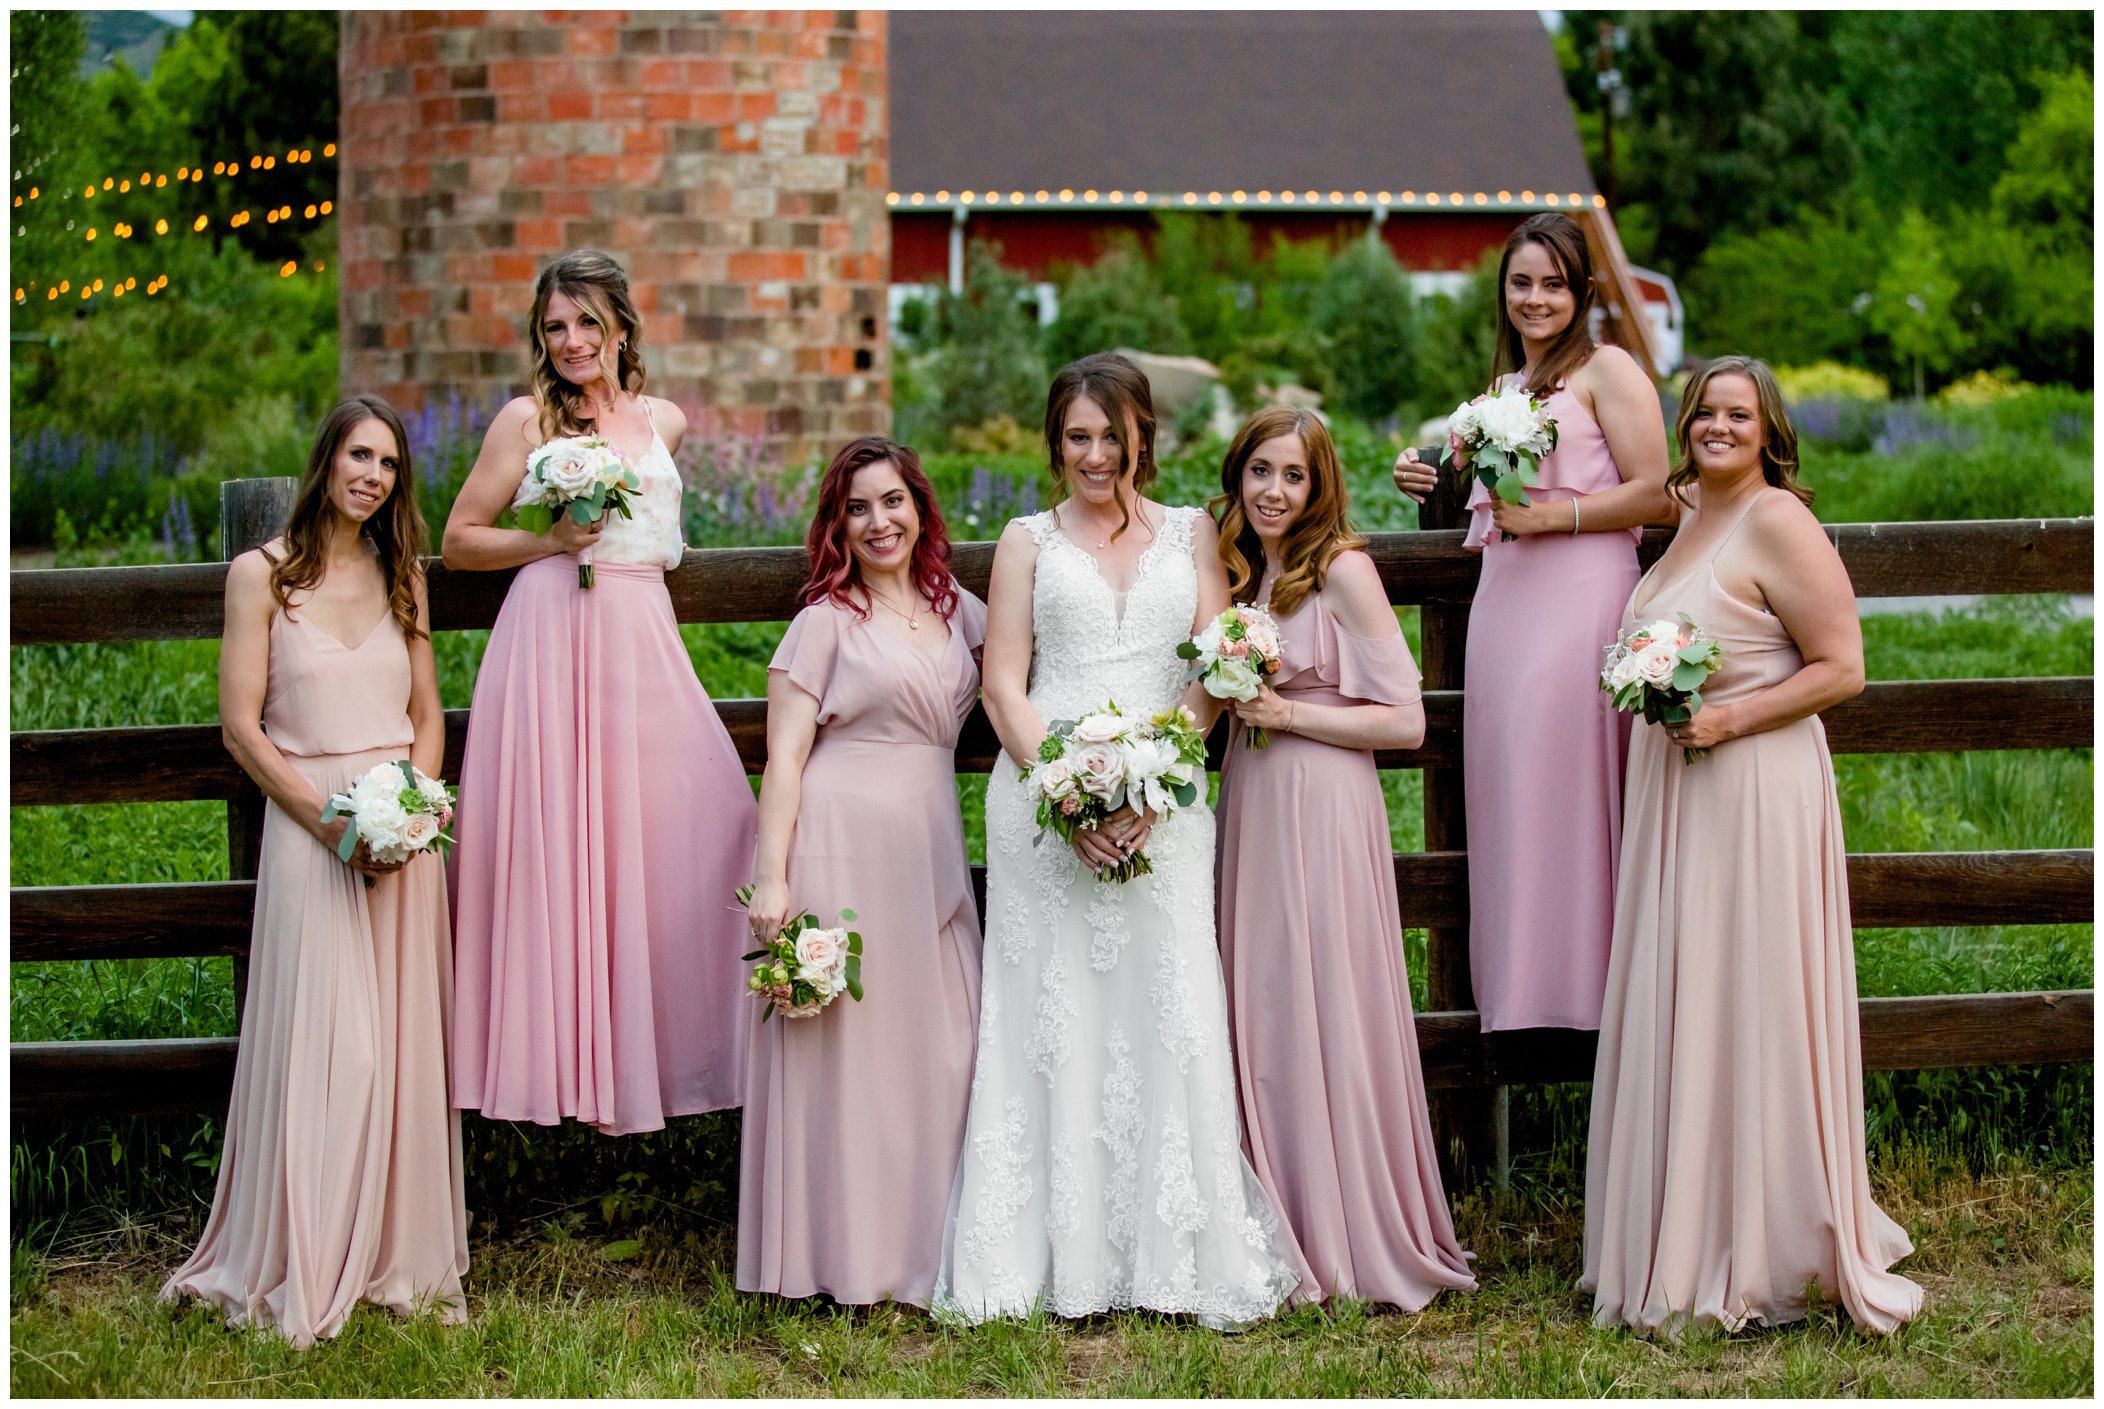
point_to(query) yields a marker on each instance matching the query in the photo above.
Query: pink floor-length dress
(341, 1177)
(1311, 940)
(1543, 747)
(1726, 1167)
(854, 1118)
(605, 821)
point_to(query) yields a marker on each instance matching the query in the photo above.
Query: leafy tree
(45, 99)
(1455, 342)
(1913, 303)
(1364, 310)
(1116, 302)
(988, 364)
(1797, 294)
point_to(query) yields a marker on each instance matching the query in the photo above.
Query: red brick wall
(734, 162)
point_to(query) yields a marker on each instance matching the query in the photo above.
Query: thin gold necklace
(912, 622)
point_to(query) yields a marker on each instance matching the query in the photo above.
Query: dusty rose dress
(341, 1178)
(1318, 999)
(1543, 747)
(854, 1118)
(605, 821)
(1726, 1167)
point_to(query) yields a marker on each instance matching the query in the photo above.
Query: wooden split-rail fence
(1429, 568)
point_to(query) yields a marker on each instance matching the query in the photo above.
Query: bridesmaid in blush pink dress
(1311, 940)
(1726, 1170)
(341, 1178)
(854, 1116)
(1542, 747)
(605, 818)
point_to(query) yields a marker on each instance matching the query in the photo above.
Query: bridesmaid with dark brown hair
(1311, 936)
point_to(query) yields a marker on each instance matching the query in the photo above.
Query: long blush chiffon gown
(1318, 998)
(341, 1176)
(854, 1117)
(1543, 747)
(604, 823)
(1726, 1169)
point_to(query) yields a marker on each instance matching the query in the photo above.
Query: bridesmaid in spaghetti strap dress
(854, 1117)
(1726, 1170)
(1542, 747)
(605, 819)
(341, 1176)
(1333, 1098)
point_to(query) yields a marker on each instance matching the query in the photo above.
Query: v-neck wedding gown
(1103, 1163)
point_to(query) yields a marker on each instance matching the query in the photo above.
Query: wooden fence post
(1463, 1122)
(251, 513)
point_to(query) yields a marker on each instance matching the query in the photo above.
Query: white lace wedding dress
(1103, 1162)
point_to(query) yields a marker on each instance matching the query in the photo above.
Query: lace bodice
(1084, 650)
(653, 536)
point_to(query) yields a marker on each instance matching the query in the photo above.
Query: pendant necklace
(913, 621)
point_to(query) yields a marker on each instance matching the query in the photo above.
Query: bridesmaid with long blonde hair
(341, 1178)
(605, 816)
(1311, 937)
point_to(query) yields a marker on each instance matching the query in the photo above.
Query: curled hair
(596, 284)
(1560, 236)
(1778, 436)
(1121, 389)
(834, 570)
(395, 529)
(1322, 531)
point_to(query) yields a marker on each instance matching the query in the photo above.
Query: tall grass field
(601, 1266)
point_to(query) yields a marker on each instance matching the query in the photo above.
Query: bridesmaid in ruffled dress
(605, 818)
(1726, 1170)
(1333, 1098)
(854, 1117)
(341, 1177)
(1542, 747)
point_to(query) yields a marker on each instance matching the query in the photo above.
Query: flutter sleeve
(1378, 670)
(970, 618)
(810, 650)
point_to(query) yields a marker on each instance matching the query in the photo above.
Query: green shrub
(1116, 302)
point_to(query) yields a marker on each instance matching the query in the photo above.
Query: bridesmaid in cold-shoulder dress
(1542, 747)
(605, 817)
(341, 1177)
(1726, 1170)
(1311, 939)
(854, 1116)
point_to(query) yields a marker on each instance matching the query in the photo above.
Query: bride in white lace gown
(1103, 1163)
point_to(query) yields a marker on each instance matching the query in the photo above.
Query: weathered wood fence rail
(1427, 568)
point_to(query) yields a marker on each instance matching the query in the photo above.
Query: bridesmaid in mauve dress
(854, 1116)
(1542, 747)
(605, 817)
(341, 1176)
(1333, 1098)
(1726, 1170)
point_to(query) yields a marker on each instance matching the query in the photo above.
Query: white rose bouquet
(1501, 438)
(582, 476)
(1659, 671)
(1089, 768)
(396, 809)
(805, 967)
(1233, 658)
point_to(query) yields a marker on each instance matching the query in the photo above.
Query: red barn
(1047, 130)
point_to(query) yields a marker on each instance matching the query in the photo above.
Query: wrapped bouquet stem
(581, 476)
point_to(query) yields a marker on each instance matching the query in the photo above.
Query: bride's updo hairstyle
(834, 569)
(1778, 436)
(596, 284)
(1322, 532)
(1121, 390)
(1565, 242)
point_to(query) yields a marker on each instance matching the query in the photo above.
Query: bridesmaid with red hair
(854, 1117)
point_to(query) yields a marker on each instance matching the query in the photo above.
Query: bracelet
(1574, 518)
(1292, 713)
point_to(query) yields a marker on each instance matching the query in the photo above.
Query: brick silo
(733, 161)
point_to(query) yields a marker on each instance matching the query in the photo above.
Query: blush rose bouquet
(582, 476)
(396, 809)
(806, 966)
(1234, 656)
(1659, 671)
(1089, 768)
(1500, 438)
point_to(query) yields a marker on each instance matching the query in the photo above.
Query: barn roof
(1167, 103)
